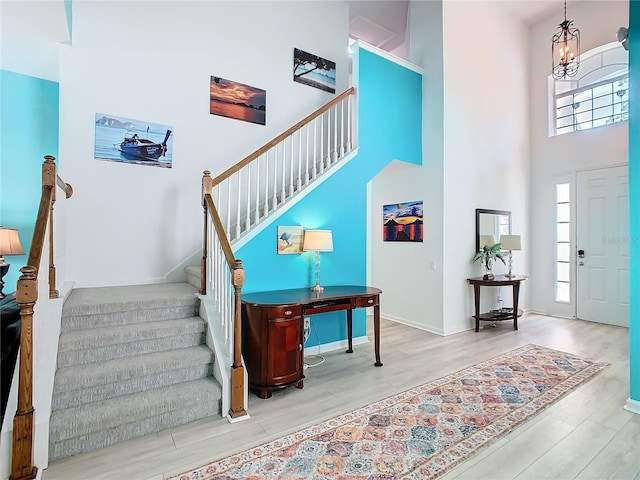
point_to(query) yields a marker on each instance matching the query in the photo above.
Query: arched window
(597, 96)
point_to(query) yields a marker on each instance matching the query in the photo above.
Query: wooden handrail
(224, 240)
(268, 146)
(22, 467)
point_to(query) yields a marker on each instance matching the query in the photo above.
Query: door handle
(580, 253)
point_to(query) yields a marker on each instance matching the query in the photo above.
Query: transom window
(598, 96)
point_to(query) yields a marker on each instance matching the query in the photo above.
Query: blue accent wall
(634, 199)
(29, 131)
(68, 10)
(389, 113)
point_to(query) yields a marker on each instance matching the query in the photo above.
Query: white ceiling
(383, 23)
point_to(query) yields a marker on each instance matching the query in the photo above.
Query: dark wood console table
(498, 281)
(272, 324)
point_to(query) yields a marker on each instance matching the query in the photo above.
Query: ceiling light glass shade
(565, 49)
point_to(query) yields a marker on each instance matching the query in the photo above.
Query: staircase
(132, 360)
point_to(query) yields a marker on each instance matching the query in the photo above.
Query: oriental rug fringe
(418, 434)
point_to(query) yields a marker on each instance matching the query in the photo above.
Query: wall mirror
(491, 222)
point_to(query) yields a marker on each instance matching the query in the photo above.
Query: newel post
(22, 467)
(237, 370)
(207, 186)
(49, 177)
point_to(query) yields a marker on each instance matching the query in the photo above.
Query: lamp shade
(318, 241)
(510, 242)
(488, 240)
(10, 242)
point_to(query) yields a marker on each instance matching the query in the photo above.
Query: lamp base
(317, 288)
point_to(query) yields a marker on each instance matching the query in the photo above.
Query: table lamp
(318, 241)
(9, 245)
(488, 240)
(510, 242)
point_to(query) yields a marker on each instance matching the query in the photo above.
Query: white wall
(486, 142)
(412, 289)
(475, 155)
(145, 221)
(558, 158)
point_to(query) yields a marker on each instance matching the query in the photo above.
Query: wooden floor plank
(345, 382)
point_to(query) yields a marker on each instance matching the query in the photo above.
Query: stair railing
(22, 467)
(243, 196)
(218, 259)
(255, 187)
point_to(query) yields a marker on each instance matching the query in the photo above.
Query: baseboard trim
(409, 323)
(339, 345)
(632, 406)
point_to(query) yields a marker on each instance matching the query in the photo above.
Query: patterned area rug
(418, 434)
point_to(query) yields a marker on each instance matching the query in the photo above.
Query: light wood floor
(586, 435)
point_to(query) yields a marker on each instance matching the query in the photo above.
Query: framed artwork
(289, 240)
(315, 71)
(402, 222)
(120, 139)
(237, 100)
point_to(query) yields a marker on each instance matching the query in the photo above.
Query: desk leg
(350, 330)
(376, 333)
(516, 295)
(476, 298)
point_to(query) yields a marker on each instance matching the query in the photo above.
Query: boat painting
(138, 142)
(142, 148)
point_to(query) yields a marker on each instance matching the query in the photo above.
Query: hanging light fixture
(565, 49)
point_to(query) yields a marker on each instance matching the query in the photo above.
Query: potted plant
(488, 255)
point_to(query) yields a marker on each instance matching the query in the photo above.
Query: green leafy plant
(488, 254)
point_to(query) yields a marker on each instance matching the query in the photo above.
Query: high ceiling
(383, 23)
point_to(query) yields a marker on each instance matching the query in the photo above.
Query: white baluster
(266, 184)
(307, 171)
(275, 178)
(283, 194)
(322, 142)
(315, 145)
(247, 224)
(238, 195)
(258, 176)
(335, 134)
(342, 128)
(291, 162)
(299, 184)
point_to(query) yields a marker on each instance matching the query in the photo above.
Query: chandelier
(565, 49)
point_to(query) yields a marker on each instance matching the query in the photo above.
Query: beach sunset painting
(402, 222)
(237, 100)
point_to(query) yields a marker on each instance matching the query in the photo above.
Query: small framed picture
(289, 240)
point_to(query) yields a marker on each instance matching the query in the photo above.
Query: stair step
(193, 276)
(107, 343)
(105, 306)
(125, 369)
(97, 425)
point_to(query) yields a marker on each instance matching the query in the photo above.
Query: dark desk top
(498, 280)
(299, 296)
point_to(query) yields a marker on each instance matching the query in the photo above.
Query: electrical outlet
(306, 328)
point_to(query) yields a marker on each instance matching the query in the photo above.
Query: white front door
(602, 244)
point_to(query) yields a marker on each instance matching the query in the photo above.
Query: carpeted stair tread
(128, 350)
(132, 360)
(100, 337)
(98, 393)
(146, 426)
(123, 369)
(139, 314)
(83, 301)
(107, 343)
(126, 415)
(193, 274)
